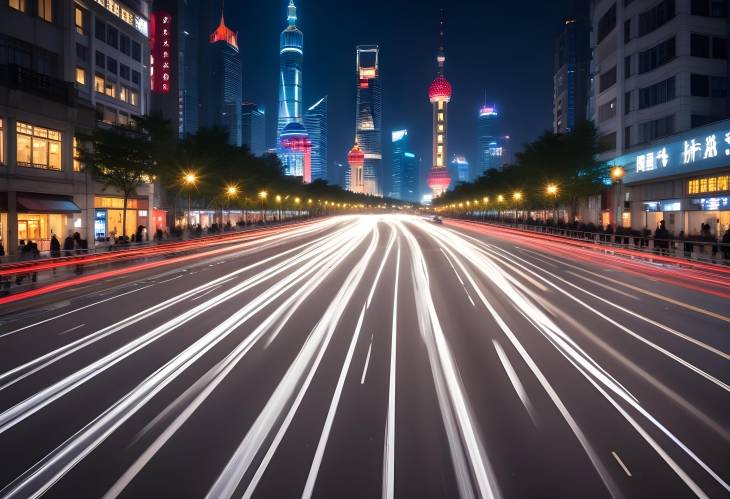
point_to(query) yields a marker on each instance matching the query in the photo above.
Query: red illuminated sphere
(438, 179)
(440, 89)
(356, 158)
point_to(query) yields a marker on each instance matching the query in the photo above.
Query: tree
(120, 158)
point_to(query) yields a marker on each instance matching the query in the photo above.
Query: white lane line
(389, 458)
(168, 280)
(391, 240)
(72, 329)
(319, 453)
(367, 361)
(515, 380)
(621, 463)
(458, 277)
(604, 286)
(72, 311)
(204, 294)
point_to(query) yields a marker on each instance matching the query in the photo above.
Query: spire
(441, 57)
(223, 34)
(292, 14)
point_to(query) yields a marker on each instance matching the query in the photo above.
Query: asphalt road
(374, 356)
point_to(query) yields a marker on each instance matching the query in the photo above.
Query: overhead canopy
(46, 203)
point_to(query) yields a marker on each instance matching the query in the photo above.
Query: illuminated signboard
(161, 49)
(712, 204)
(137, 22)
(700, 149)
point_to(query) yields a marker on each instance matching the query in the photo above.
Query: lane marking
(72, 329)
(621, 463)
(319, 453)
(391, 240)
(458, 277)
(389, 451)
(168, 280)
(205, 293)
(367, 361)
(515, 380)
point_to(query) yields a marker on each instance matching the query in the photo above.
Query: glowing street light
(617, 174)
(190, 179)
(262, 196)
(552, 189)
(500, 198)
(231, 190)
(517, 196)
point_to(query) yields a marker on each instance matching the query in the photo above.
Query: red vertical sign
(161, 49)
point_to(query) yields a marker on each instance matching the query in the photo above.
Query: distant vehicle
(437, 219)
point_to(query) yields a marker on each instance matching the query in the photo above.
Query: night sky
(503, 48)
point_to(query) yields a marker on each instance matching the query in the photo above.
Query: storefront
(683, 180)
(109, 217)
(39, 216)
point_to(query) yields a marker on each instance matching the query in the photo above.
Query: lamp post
(552, 190)
(278, 207)
(231, 192)
(190, 179)
(516, 197)
(500, 200)
(617, 175)
(262, 196)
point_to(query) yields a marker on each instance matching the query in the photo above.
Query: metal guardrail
(705, 251)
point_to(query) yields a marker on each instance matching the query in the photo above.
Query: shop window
(99, 83)
(81, 76)
(45, 10)
(114, 203)
(80, 20)
(78, 164)
(38, 147)
(17, 5)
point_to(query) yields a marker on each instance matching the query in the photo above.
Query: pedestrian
(77, 242)
(68, 245)
(35, 254)
(726, 244)
(26, 251)
(2, 249)
(55, 247)
(661, 238)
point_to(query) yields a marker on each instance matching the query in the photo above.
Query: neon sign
(137, 22)
(161, 48)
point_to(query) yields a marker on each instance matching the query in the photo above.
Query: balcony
(19, 78)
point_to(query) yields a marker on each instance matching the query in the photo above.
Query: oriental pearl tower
(439, 93)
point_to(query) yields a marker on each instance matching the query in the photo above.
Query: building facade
(222, 90)
(399, 147)
(492, 146)
(356, 177)
(369, 115)
(459, 169)
(295, 152)
(253, 127)
(291, 62)
(658, 69)
(570, 76)
(315, 121)
(66, 66)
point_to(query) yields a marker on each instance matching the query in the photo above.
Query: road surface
(374, 356)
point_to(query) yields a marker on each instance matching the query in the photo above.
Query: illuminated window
(441, 116)
(709, 184)
(118, 203)
(99, 83)
(80, 25)
(110, 89)
(38, 147)
(80, 76)
(45, 10)
(723, 183)
(78, 165)
(703, 185)
(113, 7)
(712, 184)
(17, 5)
(694, 186)
(2, 142)
(133, 97)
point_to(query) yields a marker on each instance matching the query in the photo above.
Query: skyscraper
(459, 170)
(356, 160)
(291, 58)
(570, 76)
(368, 115)
(295, 151)
(223, 88)
(315, 121)
(439, 94)
(253, 127)
(404, 169)
(489, 142)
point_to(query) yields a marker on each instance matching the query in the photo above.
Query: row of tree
(554, 169)
(124, 158)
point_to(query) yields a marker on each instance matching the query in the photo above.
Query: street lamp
(231, 192)
(262, 196)
(517, 197)
(190, 179)
(552, 190)
(617, 174)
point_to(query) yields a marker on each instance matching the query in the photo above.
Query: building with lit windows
(439, 94)
(369, 115)
(295, 152)
(222, 82)
(490, 149)
(356, 161)
(570, 76)
(291, 61)
(253, 127)
(459, 170)
(404, 168)
(315, 121)
(64, 67)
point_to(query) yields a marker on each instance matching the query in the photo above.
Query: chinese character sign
(161, 49)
